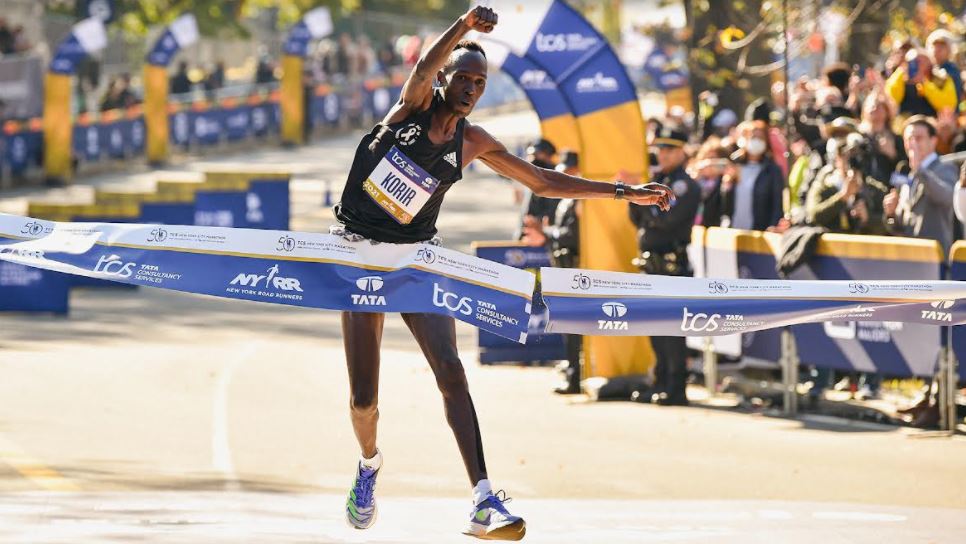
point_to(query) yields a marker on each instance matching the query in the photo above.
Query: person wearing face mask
(663, 240)
(710, 166)
(754, 198)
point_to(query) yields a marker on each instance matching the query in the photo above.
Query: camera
(858, 153)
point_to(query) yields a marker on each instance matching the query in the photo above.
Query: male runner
(428, 128)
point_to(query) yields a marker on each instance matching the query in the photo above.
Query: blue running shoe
(360, 507)
(491, 521)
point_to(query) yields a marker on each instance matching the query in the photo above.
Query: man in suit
(923, 208)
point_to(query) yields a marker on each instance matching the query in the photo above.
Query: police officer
(663, 240)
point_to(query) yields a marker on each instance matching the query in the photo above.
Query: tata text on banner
(300, 269)
(613, 303)
(540, 346)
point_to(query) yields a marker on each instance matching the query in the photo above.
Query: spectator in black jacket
(753, 200)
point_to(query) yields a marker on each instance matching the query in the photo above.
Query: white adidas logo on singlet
(451, 158)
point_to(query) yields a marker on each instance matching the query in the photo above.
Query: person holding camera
(663, 240)
(847, 198)
(920, 88)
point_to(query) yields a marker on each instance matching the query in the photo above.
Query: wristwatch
(619, 190)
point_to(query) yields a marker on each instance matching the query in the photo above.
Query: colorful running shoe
(360, 507)
(491, 521)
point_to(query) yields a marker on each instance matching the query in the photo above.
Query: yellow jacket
(939, 90)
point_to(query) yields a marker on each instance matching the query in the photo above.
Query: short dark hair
(922, 121)
(469, 45)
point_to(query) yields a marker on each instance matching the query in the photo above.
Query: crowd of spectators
(855, 150)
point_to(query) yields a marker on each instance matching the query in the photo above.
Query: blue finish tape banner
(282, 267)
(620, 304)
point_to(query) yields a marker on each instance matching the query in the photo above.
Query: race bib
(400, 186)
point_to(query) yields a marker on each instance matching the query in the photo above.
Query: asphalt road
(154, 416)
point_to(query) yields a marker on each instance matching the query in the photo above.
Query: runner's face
(465, 82)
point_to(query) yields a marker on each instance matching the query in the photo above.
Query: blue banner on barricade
(540, 346)
(621, 304)
(168, 213)
(262, 119)
(221, 209)
(87, 142)
(114, 137)
(136, 136)
(267, 205)
(24, 149)
(762, 345)
(381, 99)
(27, 289)
(207, 126)
(300, 269)
(180, 128)
(892, 348)
(238, 122)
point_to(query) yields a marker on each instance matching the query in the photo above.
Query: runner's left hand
(650, 194)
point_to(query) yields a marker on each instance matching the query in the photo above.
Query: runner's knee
(363, 404)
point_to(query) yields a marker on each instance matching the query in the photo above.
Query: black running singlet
(398, 179)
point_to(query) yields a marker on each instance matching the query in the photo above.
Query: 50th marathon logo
(158, 235)
(34, 228)
(580, 281)
(426, 255)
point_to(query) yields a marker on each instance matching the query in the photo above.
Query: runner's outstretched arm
(417, 91)
(544, 182)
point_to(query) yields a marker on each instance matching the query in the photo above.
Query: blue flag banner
(619, 304)
(86, 37)
(181, 33)
(282, 267)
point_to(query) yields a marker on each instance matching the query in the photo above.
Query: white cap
(941, 35)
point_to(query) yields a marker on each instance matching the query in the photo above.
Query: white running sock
(375, 463)
(481, 491)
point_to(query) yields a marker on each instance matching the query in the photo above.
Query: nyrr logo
(285, 243)
(408, 134)
(271, 280)
(369, 285)
(938, 314)
(699, 322)
(426, 255)
(615, 311)
(451, 301)
(34, 228)
(536, 80)
(112, 265)
(158, 235)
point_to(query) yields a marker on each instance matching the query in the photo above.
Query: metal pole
(789, 359)
(710, 367)
(947, 386)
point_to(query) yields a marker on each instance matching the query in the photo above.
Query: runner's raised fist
(480, 19)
